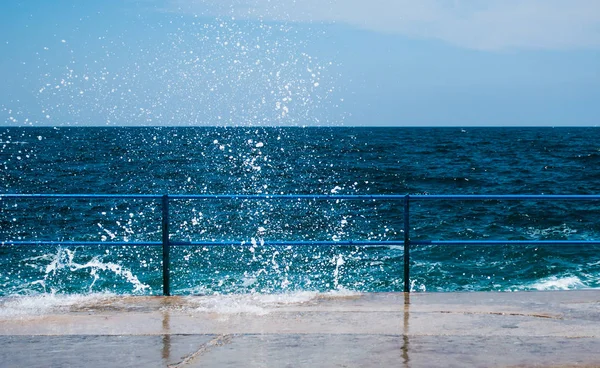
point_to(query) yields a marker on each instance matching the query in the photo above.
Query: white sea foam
(35, 305)
(558, 283)
(560, 230)
(259, 304)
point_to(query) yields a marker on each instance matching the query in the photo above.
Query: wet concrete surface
(526, 329)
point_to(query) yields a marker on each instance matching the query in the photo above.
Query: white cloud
(477, 24)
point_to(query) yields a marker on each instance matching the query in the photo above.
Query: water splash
(37, 305)
(339, 262)
(265, 67)
(259, 304)
(62, 267)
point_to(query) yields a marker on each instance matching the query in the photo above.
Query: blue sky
(302, 62)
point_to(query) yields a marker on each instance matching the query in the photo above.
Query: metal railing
(167, 243)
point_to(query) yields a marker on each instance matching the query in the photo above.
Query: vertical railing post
(165, 245)
(406, 244)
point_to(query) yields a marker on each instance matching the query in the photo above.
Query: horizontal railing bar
(83, 196)
(507, 197)
(209, 243)
(78, 243)
(293, 243)
(505, 242)
(324, 197)
(394, 197)
(305, 243)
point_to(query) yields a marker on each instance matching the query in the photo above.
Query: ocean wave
(254, 303)
(41, 304)
(557, 283)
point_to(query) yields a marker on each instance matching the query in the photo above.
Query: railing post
(406, 244)
(165, 245)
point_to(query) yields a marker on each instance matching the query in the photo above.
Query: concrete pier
(525, 329)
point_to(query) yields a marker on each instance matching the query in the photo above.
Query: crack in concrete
(217, 341)
(535, 315)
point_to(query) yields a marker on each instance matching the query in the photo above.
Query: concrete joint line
(217, 341)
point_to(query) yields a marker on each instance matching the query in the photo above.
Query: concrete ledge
(553, 329)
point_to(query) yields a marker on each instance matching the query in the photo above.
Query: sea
(291, 161)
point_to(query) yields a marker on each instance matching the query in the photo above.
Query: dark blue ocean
(297, 161)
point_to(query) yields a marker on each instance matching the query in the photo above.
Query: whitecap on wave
(558, 283)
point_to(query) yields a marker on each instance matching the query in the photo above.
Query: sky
(300, 62)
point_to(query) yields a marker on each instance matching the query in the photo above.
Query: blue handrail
(166, 243)
(359, 197)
